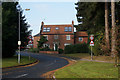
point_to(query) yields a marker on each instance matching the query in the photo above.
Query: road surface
(46, 63)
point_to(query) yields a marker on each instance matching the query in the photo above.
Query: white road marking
(21, 75)
(52, 63)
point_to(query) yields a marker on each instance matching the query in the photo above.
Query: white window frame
(46, 29)
(67, 37)
(66, 29)
(67, 44)
(81, 39)
(44, 45)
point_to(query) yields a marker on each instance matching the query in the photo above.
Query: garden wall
(49, 52)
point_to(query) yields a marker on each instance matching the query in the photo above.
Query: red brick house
(59, 36)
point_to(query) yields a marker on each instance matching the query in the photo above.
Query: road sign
(91, 43)
(91, 37)
(30, 37)
(30, 42)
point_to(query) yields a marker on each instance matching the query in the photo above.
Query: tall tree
(106, 26)
(10, 29)
(113, 37)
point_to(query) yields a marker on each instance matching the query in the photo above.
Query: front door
(55, 47)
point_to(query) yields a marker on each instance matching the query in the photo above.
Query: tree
(10, 29)
(106, 26)
(113, 39)
(41, 41)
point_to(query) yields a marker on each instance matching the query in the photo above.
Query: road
(46, 63)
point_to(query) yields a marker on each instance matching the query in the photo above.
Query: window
(46, 37)
(80, 39)
(46, 45)
(55, 36)
(68, 29)
(67, 44)
(56, 28)
(67, 37)
(46, 29)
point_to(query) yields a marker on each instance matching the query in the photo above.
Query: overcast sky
(49, 12)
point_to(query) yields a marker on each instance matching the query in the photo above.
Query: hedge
(77, 48)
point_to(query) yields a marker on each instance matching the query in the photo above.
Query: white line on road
(52, 63)
(21, 75)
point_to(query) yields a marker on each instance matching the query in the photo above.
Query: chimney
(42, 23)
(72, 22)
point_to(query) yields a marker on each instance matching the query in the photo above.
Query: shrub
(68, 49)
(60, 51)
(45, 49)
(34, 50)
(77, 48)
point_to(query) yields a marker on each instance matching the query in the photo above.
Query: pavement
(46, 63)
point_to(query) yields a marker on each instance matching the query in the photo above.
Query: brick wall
(83, 35)
(61, 40)
(49, 52)
(36, 38)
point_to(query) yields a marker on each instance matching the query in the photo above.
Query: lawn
(88, 69)
(7, 62)
(87, 56)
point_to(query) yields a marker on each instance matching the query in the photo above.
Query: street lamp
(19, 42)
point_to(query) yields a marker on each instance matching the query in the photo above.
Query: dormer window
(47, 29)
(56, 28)
(68, 29)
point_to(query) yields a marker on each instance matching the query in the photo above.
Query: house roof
(59, 31)
(36, 35)
(81, 33)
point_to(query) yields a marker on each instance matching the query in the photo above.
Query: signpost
(91, 44)
(19, 43)
(30, 42)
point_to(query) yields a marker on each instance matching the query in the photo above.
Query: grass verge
(8, 62)
(87, 56)
(87, 69)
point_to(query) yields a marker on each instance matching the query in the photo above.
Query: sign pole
(91, 44)
(30, 42)
(29, 56)
(91, 54)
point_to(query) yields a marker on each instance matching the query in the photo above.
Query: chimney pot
(72, 22)
(42, 23)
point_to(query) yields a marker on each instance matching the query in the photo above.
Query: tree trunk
(113, 41)
(113, 38)
(106, 26)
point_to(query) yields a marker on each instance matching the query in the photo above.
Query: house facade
(59, 36)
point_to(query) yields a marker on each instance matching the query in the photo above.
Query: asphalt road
(47, 63)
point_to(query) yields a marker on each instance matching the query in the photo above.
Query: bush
(45, 49)
(60, 51)
(34, 50)
(68, 49)
(77, 48)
